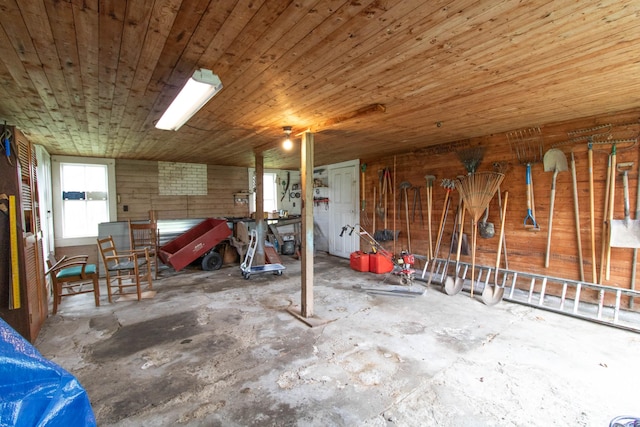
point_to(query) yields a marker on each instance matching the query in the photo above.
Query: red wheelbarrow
(199, 241)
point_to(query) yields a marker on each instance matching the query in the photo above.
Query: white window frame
(57, 197)
(252, 201)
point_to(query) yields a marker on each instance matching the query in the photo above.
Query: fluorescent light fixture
(200, 88)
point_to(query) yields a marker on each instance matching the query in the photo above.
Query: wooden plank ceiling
(370, 78)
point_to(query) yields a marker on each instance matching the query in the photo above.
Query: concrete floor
(213, 349)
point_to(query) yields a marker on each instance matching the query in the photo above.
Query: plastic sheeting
(35, 391)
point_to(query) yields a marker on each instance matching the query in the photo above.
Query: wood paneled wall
(526, 249)
(137, 188)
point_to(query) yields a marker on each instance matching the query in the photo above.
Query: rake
(477, 190)
(471, 158)
(526, 146)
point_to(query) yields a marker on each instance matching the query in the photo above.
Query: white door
(43, 172)
(343, 208)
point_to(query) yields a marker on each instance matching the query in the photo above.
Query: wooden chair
(73, 276)
(145, 236)
(125, 269)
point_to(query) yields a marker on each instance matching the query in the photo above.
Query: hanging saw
(286, 188)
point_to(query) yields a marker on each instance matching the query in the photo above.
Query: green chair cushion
(76, 271)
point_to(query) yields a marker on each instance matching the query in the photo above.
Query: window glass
(270, 192)
(84, 198)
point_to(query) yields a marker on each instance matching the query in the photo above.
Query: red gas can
(359, 261)
(379, 264)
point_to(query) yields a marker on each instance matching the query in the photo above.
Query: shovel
(453, 285)
(554, 161)
(492, 294)
(625, 233)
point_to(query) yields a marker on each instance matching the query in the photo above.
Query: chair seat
(127, 265)
(67, 278)
(74, 271)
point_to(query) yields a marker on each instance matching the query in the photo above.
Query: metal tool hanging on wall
(554, 161)
(286, 186)
(617, 135)
(492, 294)
(526, 146)
(625, 233)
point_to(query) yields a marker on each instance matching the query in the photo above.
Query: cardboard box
(379, 264)
(359, 261)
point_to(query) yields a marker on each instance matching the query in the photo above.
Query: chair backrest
(51, 261)
(143, 235)
(108, 252)
(72, 266)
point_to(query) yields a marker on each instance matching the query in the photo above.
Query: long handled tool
(379, 206)
(453, 285)
(384, 177)
(554, 161)
(634, 262)
(625, 233)
(605, 254)
(526, 145)
(454, 232)
(429, 180)
(448, 186)
(592, 214)
(404, 185)
(417, 204)
(576, 209)
(491, 295)
(502, 167)
(477, 190)
(605, 225)
(611, 199)
(530, 222)
(374, 213)
(395, 235)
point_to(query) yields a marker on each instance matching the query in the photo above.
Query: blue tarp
(35, 391)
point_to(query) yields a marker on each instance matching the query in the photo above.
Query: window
(84, 199)
(270, 197)
(81, 198)
(270, 190)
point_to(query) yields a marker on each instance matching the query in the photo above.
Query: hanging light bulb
(287, 144)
